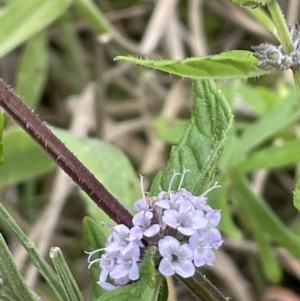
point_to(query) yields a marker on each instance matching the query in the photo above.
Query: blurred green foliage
(44, 37)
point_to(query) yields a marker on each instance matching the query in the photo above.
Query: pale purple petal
(152, 230)
(142, 219)
(134, 272)
(107, 286)
(166, 267)
(198, 221)
(202, 243)
(165, 204)
(185, 268)
(121, 281)
(205, 256)
(212, 236)
(142, 222)
(141, 205)
(106, 264)
(214, 217)
(168, 245)
(186, 252)
(188, 231)
(171, 218)
(126, 264)
(185, 207)
(136, 232)
(119, 271)
(120, 232)
(176, 258)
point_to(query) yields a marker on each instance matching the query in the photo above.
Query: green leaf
(249, 2)
(22, 19)
(110, 166)
(32, 73)
(72, 57)
(91, 12)
(269, 124)
(218, 198)
(201, 142)
(229, 64)
(163, 294)
(43, 267)
(261, 217)
(269, 262)
(24, 159)
(296, 194)
(169, 130)
(273, 156)
(104, 160)
(94, 239)
(66, 278)
(147, 288)
(12, 285)
(2, 117)
(259, 99)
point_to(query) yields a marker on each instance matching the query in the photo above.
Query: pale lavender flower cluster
(180, 224)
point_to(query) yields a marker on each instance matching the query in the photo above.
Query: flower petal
(166, 267)
(168, 245)
(152, 230)
(185, 268)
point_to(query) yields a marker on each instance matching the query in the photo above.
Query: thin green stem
(282, 28)
(285, 38)
(296, 74)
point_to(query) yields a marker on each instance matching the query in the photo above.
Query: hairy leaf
(229, 64)
(201, 142)
(12, 285)
(65, 276)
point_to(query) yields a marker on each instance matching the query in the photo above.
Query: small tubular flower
(202, 243)
(186, 220)
(142, 220)
(177, 258)
(126, 265)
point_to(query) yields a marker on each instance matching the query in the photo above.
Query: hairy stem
(281, 26)
(285, 38)
(202, 288)
(62, 156)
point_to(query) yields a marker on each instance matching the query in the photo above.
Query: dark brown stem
(37, 129)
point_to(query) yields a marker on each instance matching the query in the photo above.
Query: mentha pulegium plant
(181, 225)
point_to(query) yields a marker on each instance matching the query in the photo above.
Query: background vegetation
(121, 120)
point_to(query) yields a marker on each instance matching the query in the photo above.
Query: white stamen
(211, 188)
(142, 187)
(182, 177)
(91, 262)
(172, 179)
